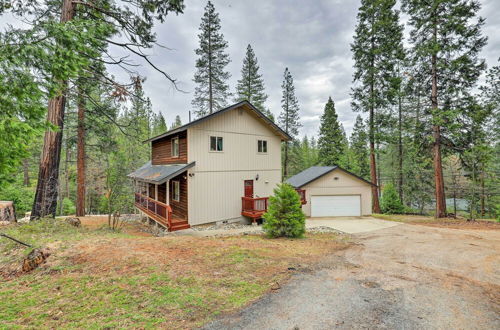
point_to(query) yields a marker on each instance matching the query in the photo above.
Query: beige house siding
(346, 184)
(216, 181)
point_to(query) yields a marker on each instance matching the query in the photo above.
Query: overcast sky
(311, 38)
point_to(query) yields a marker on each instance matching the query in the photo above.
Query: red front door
(248, 188)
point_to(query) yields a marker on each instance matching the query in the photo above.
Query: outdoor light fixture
(257, 177)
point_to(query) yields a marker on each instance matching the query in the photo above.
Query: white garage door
(335, 206)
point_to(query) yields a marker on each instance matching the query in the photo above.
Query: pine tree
(212, 90)
(177, 122)
(331, 141)
(359, 148)
(289, 116)
(446, 40)
(251, 85)
(376, 47)
(159, 124)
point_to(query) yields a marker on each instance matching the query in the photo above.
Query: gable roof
(158, 174)
(245, 104)
(315, 172)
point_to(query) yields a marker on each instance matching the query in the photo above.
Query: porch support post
(168, 192)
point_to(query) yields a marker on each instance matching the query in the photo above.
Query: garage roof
(314, 173)
(158, 174)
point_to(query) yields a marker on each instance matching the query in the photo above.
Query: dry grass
(97, 279)
(480, 224)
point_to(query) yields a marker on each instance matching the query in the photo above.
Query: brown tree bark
(400, 148)
(80, 159)
(45, 202)
(436, 148)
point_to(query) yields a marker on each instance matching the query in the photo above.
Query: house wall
(161, 150)
(217, 182)
(179, 208)
(345, 185)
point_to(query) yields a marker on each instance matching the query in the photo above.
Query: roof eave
(283, 134)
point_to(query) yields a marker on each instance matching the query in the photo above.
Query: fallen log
(74, 221)
(34, 259)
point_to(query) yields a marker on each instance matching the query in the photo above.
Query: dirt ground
(453, 223)
(404, 277)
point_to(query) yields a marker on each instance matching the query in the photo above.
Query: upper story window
(262, 146)
(175, 147)
(176, 191)
(216, 143)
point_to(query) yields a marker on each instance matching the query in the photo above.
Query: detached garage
(333, 192)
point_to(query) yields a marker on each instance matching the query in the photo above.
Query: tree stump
(7, 211)
(74, 222)
(34, 259)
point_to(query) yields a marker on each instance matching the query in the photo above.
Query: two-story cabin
(219, 167)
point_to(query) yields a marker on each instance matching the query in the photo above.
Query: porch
(160, 192)
(255, 207)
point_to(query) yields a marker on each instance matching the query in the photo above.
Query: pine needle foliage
(212, 90)
(390, 202)
(332, 143)
(284, 217)
(251, 85)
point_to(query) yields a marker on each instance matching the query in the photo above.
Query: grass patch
(97, 278)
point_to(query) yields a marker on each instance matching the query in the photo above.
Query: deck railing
(302, 194)
(257, 204)
(162, 210)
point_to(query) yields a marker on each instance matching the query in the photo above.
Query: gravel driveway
(403, 277)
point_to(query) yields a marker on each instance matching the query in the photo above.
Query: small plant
(390, 202)
(284, 217)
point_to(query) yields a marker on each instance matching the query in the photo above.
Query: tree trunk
(26, 171)
(80, 162)
(285, 167)
(373, 167)
(400, 149)
(483, 211)
(45, 202)
(436, 148)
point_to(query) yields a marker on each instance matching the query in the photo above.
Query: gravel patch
(225, 226)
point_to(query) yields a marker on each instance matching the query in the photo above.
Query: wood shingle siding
(161, 150)
(179, 208)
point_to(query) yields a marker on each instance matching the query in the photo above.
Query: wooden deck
(160, 212)
(254, 208)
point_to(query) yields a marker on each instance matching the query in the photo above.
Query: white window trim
(176, 183)
(210, 143)
(172, 147)
(267, 147)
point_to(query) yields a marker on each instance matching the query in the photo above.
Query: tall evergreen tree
(212, 90)
(177, 122)
(359, 148)
(331, 141)
(377, 44)
(289, 116)
(446, 39)
(159, 124)
(251, 85)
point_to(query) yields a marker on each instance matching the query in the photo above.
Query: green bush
(20, 195)
(284, 215)
(68, 207)
(390, 202)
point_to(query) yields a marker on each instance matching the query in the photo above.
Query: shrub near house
(284, 216)
(390, 202)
